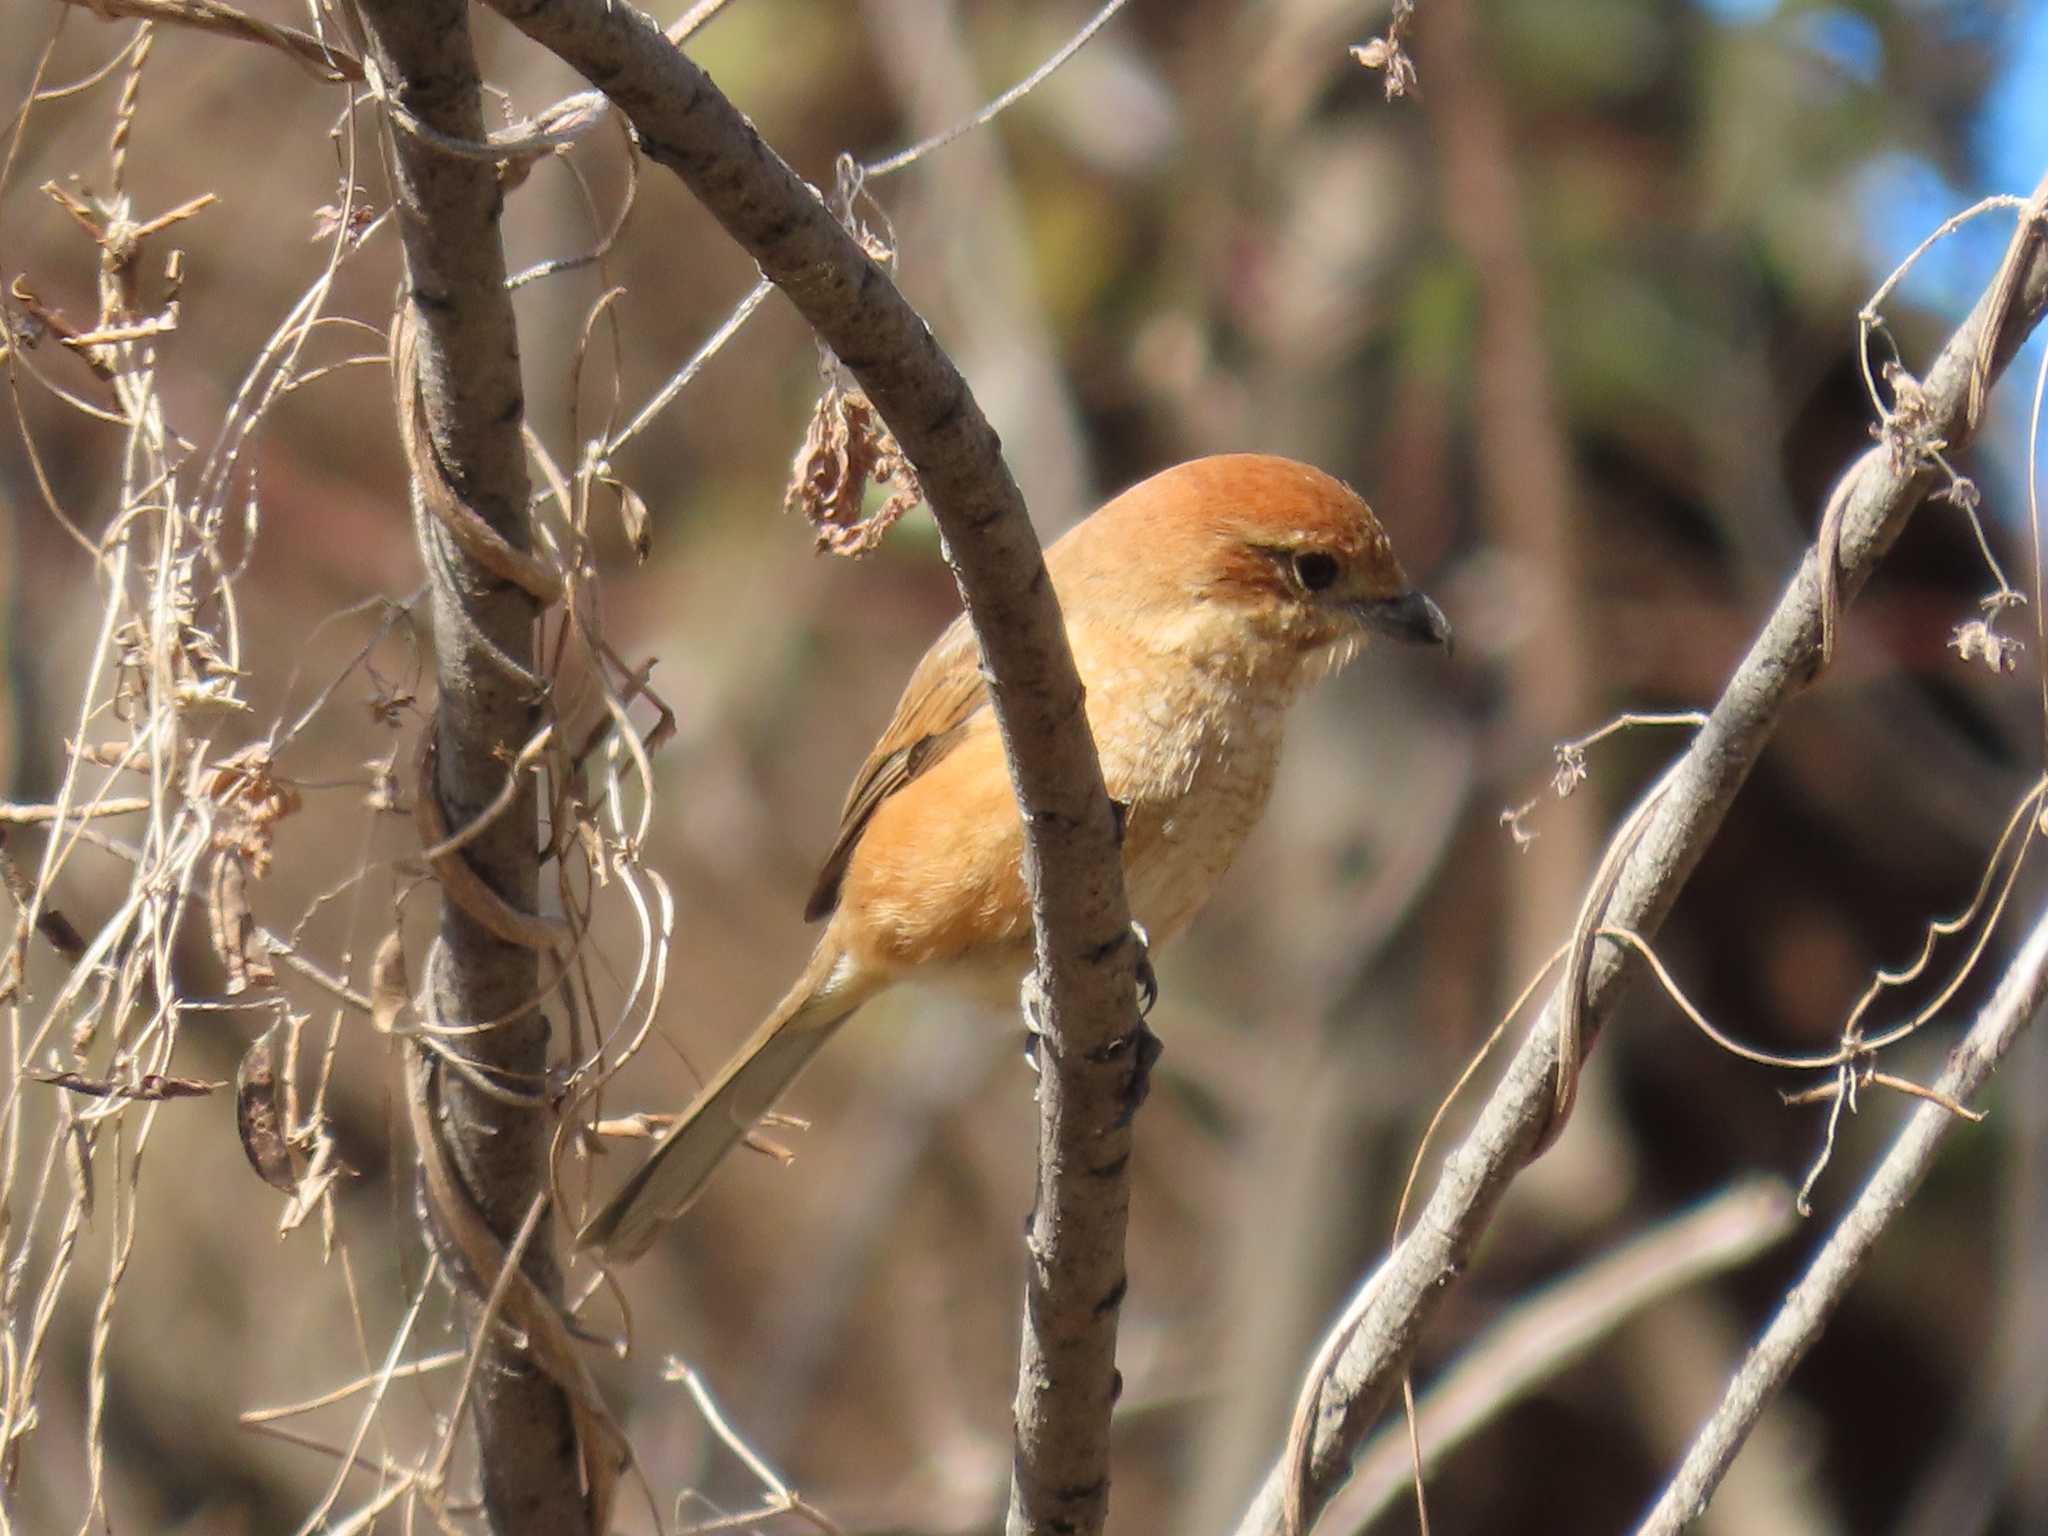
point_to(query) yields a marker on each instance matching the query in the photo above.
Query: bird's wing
(939, 705)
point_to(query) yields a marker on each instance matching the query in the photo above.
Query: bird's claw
(1148, 979)
(1144, 1046)
(1144, 1049)
(1149, 1048)
(1120, 815)
(1033, 999)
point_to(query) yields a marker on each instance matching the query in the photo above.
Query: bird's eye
(1315, 570)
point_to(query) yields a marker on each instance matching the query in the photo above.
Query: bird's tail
(744, 1090)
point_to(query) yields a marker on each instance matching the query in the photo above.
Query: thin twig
(1809, 1304)
(664, 396)
(889, 165)
(36, 815)
(316, 55)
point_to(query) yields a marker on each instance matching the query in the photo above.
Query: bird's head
(1253, 555)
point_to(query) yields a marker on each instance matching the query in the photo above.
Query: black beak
(1410, 616)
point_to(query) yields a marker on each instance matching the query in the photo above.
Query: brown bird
(1199, 604)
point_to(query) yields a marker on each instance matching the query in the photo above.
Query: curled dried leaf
(259, 1113)
(633, 517)
(847, 446)
(350, 219)
(232, 926)
(252, 800)
(1571, 768)
(1978, 641)
(1389, 53)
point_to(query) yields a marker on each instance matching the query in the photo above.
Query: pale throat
(1200, 724)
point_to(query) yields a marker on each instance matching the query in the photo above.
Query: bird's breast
(1191, 756)
(935, 885)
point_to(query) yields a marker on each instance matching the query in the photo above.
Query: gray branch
(1067, 1383)
(469, 408)
(1544, 1334)
(1654, 856)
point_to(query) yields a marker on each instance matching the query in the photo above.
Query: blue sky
(1901, 197)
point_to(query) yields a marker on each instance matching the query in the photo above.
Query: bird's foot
(1144, 1046)
(1144, 1049)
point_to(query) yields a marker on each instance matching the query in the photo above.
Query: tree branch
(1809, 1304)
(1067, 1380)
(460, 409)
(1544, 1334)
(1649, 863)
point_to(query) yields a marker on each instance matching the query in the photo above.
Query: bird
(1199, 605)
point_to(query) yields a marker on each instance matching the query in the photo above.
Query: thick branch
(461, 421)
(1068, 1382)
(1879, 493)
(1810, 1303)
